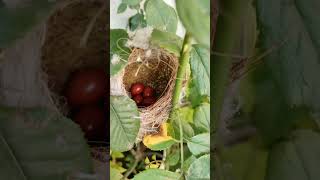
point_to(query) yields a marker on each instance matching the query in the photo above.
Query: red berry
(136, 88)
(138, 99)
(148, 101)
(148, 91)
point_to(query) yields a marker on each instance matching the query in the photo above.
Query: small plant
(168, 137)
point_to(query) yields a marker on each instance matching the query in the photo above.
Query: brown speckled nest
(156, 68)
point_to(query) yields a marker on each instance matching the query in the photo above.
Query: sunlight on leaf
(159, 141)
(161, 16)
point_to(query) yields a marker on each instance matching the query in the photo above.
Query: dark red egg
(138, 99)
(148, 101)
(92, 120)
(148, 91)
(136, 88)
(86, 86)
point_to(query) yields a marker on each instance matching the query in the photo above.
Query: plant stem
(138, 155)
(132, 168)
(183, 62)
(181, 146)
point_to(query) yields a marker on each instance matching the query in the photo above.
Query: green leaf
(295, 159)
(162, 145)
(201, 118)
(199, 169)
(131, 2)
(195, 16)
(187, 129)
(270, 113)
(118, 167)
(166, 40)
(122, 7)
(154, 157)
(35, 143)
(146, 160)
(188, 162)
(157, 174)
(124, 123)
(186, 113)
(290, 31)
(193, 93)
(116, 155)
(248, 160)
(115, 174)
(119, 53)
(200, 68)
(161, 16)
(174, 157)
(15, 23)
(199, 144)
(137, 21)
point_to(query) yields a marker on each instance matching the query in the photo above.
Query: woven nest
(76, 37)
(63, 51)
(156, 68)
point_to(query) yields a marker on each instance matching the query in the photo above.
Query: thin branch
(133, 167)
(139, 155)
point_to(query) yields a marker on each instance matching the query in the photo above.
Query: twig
(139, 155)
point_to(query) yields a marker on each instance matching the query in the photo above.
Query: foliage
(119, 53)
(169, 41)
(15, 23)
(184, 142)
(279, 89)
(195, 16)
(296, 158)
(157, 174)
(161, 16)
(199, 169)
(124, 125)
(31, 138)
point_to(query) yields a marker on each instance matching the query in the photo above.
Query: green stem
(181, 146)
(183, 62)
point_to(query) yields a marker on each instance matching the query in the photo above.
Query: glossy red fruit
(138, 99)
(148, 101)
(92, 121)
(86, 86)
(148, 91)
(136, 88)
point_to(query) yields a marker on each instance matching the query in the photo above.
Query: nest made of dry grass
(156, 68)
(64, 50)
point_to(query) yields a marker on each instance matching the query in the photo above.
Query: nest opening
(62, 53)
(152, 67)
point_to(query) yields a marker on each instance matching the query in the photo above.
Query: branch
(183, 62)
(138, 155)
